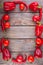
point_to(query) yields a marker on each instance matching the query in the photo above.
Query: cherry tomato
(31, 58)
(6, 42)
(38, 41)
(7, 25)
(22, 6)
(6, 17)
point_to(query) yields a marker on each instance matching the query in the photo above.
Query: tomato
(7, 25)
(31, 58)
(22, 7)
(38, 41)
(6, 17)
(6, 42)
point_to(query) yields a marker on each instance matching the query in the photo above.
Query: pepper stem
(1, 6)
(39, 23)
(39, 6)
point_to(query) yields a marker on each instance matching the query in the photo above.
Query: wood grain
(24, 19)
(19, 32)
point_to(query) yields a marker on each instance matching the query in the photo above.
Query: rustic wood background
(21, 33)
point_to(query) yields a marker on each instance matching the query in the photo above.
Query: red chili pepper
(39, 42)
(22, 5)
(5, 42)
(40, 13)
(31, 58)
(38, 30)
(9, 6)
(6, 17)
(0, 46)
(38, 18)
(2, 25)
(35, 7)
(38, 53)
(6, 54)
(19, 59)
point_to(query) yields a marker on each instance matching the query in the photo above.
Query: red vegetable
(0, 46)
(40, 13)
(22, 7)
(31, 58)
(6, 17)
(38, 30)
(2, 25)
(7, 25)
(39, 42)
(19, 59)
(35, 7)
(38, 53)
(37, 18)
(6, 54)
(9, 6)
(5, 42)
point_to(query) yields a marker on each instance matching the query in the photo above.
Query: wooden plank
(19, 32)
(22, 45)
(26, 1)
(23, 19)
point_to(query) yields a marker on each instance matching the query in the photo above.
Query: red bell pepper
(9, 6)
(6, 54)
(19, 59)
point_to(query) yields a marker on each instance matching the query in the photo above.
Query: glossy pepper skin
(2, 25)
(7, 25)
(38, 30)
(31, 59)
(35, 7)
(0, 46)
(37, 18)
(20, 59)
(38, 53)
(22, 5)
(6, 54)
(39, 42)
(5, 42)
(9, 6)
(6, 17)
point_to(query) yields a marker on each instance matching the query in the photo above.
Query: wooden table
(21, 33)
